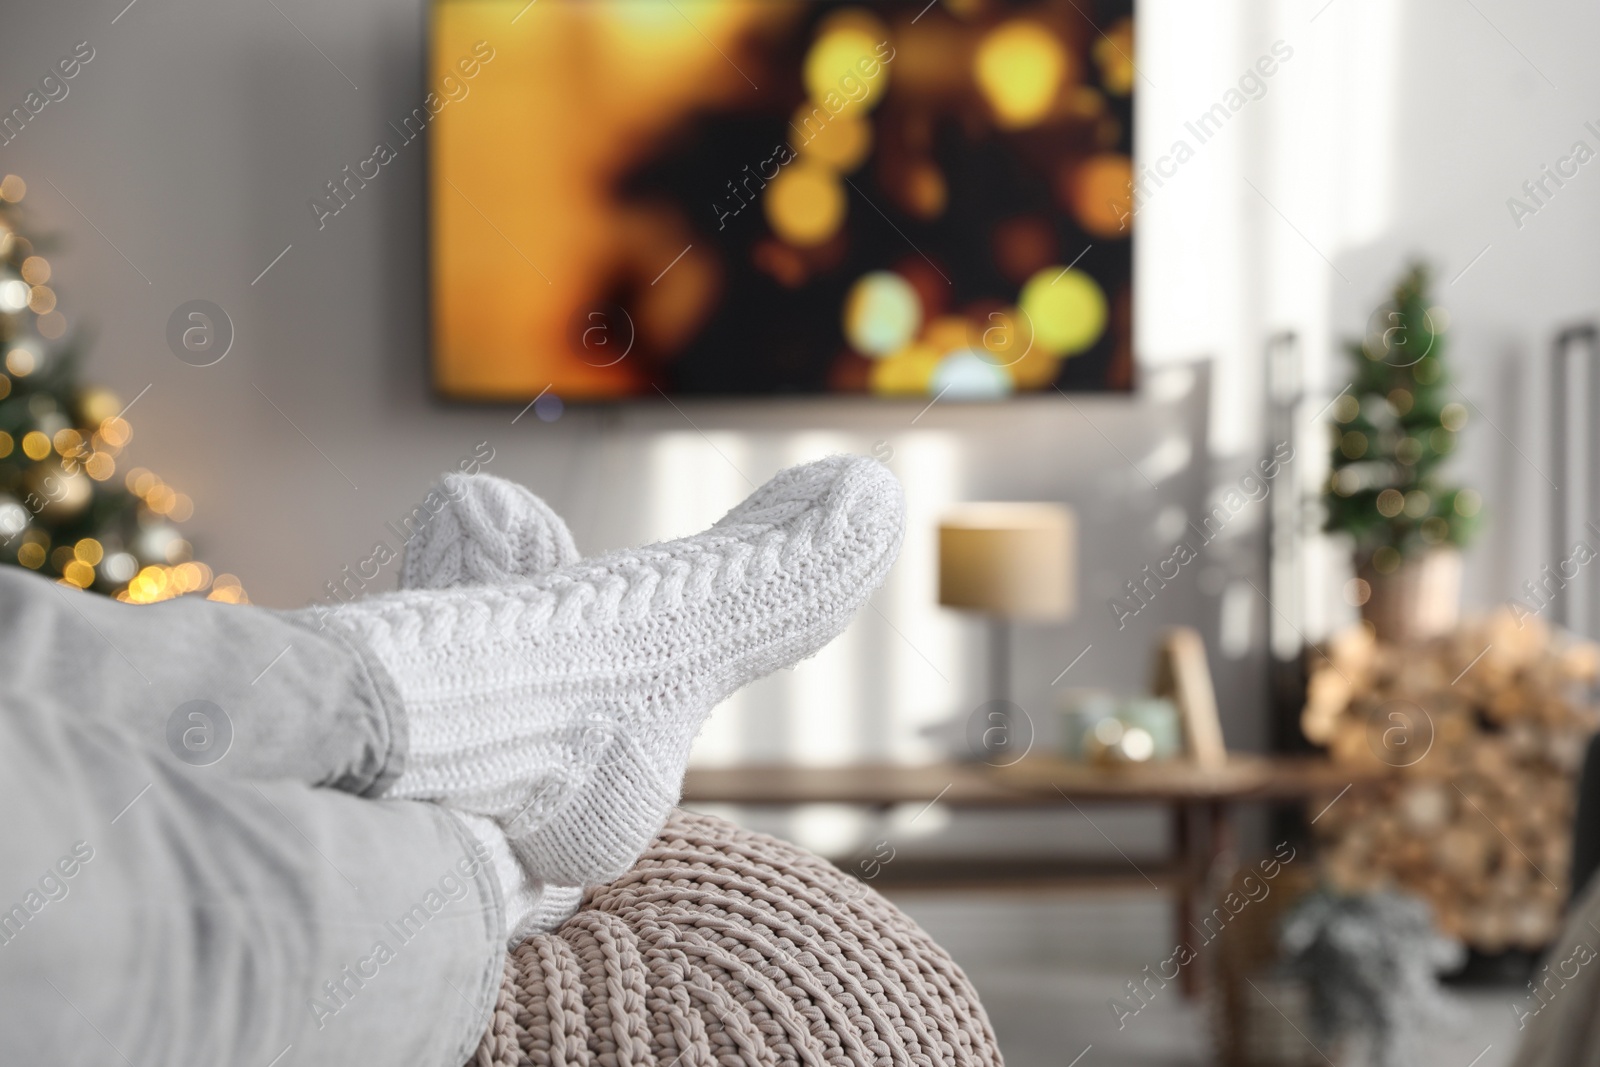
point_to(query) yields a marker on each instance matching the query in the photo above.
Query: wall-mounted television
(901, 198)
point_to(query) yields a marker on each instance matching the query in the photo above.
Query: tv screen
(757, 197)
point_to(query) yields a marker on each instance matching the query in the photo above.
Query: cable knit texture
(489, 531)
(564, 706)
(726, 947)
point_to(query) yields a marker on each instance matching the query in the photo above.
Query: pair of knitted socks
(552, 701)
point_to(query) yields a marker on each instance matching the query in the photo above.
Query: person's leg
(157, 913)
(252, 693)
(260, 694)
(564, 706)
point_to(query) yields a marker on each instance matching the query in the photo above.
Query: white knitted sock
(532, 907)
(489, 530)
(564, 706)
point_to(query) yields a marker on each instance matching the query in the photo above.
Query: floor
(1047, 967)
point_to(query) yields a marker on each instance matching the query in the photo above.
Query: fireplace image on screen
(750, 197)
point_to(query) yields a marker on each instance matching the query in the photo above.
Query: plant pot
(1420, 599)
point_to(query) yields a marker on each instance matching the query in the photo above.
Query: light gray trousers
(195, 865)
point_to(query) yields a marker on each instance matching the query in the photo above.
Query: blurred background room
(1230, 698)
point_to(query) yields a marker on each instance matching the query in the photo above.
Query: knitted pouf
(723, 947)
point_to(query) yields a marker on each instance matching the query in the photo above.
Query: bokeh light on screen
(783, 196)
(966, 374)
(1067, 309)
(882, 313)
(843, 143)
(1020, 66)
(908, 372)
(1113, 54)
(841, 57)
(805, 203)
(1100, 193)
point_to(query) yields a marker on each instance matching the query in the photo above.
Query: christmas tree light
(63, 511)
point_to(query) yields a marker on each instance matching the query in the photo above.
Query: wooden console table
(1200, 802)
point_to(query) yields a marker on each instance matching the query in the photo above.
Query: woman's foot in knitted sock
(564, 706)
(486, 531)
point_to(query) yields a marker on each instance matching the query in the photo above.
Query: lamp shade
(1010, 560)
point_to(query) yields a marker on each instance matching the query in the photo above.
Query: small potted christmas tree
(1394, 426)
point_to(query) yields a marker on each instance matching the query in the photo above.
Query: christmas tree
(63, 510)
(1394, 426)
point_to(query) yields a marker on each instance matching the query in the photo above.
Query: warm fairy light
(227, 589)
(66, 440)
(35, 445)
(148, 586)
(101, 466)
(12, 188)
(14, 295)
(20, 361)
(51, 325)
(1020, 67)
(805, 203)
(1067, 309)
(116, 431)
(138, 480)
(1390, 503)
(6, 444)
(35, 270)
(88, 551)
(79, 574)
(189, 577)
(31, 555)
(161, 498)
(882, 313)
(41, 299)
(5, 387)
(98, 405)
(182, 508)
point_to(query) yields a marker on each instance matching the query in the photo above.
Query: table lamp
(1013, 562)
